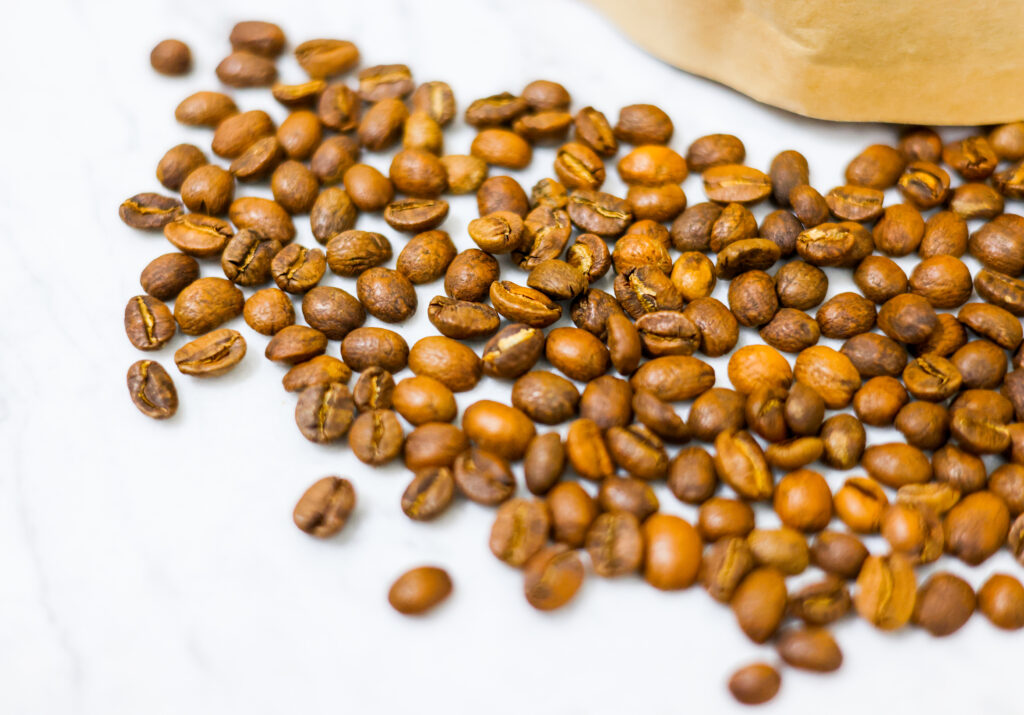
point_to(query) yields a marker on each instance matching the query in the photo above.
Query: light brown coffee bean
(324, 508)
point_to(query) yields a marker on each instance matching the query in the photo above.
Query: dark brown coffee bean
(835, 244)
(943, 280)
(873, 355)
(880, 278)
(752, 297)
(212, 354)
(171, 57)
(206, 303)
(352, 253)
(784, 549)
(593, 129)
(645, 290)
(152, 390)
(418, 173)
(716, 410)
(546, 232)
(855, 203)
(643, 124)
(149, 211)
(386, 294)
(426, 257)
(333, 214)
(520, 530)
(719, 518)
(636, 251)
(755, 684)
(981, 363)
(495, 110)
(296, 268)
(839, 553)
(789, 170)
(1000, 290)
(178, 163)
(374, 390)
(591, 309)
(1010, 182)
(878, 400)
(900, 231)
(979, 433)
(437, 99)
(294, 187)
(975, 200)
(513, 351)
(295, 344)
(376, 437)
(822, 602)
(691, 231)
(416, 215)
(381, 125)
(246, 69)
(148, 322)
(811, 649)
(878, 167)
(320, 370)
(368, 188)
(800, 285)
(502, 193)
(429, 493)
(524, 305)
(924, 184)
(715, 150)
(747, 255)
(258, 160)
(332, 311)
(247, 258)
(461, 319)
(932, 378)
(666, 332)
(972, 157)
(324, 508)
(791, 331)
(261, 38)
(366, 347)
(557, 279)
(166, 276)
(543, 465)
(945, 234)
(545, 397)
(419, 590)
(907, 318)
(205, 109)
(384, 82)
(765, 412)
(781, 228)
(976, 527)
(637, 450)
(579, 167)
(809, 206)
(269, 310)
(1007, 482)
(483, 477)
(324, 413)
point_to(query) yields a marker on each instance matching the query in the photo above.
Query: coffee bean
(981, 363)
(791, 331)
(207, 303)
(437, 99)
(576, 353)
(520, 530)
(373, 390)
(753, 366)
(972, 157)
(446, 360)
(418, 173)
(878, 400)
(591, 309)
(353, 252)
(421, 132)
(835, 244)
(376, 437)
(1000, 290)
(809, 206)
(423, 399)
(803, 500)
(740, 463)
(579, 167)
(886, 591)
(178, 163)
(598, 212)
(643, 124)
(470, 275)
(325, 58)
(879, 166)
(755, 684)
(265, 217)
(545, 397)
(333, 158)
(839, 553)
(246, 69)
(789, 170)
(171, 57)
(198, 235)
(332, 311)
(503, 430)
(386, 294)
(715, 150)
(429, 493)
(420, 589)
(912, 531)
(593, 129)
(258, 160)
(325, 507)
(822, 602)
(752, 297)
(294, 186)
(434, 444)
(719, 517)
(673, 552)
(810, 648)
(759, 603)
(552, 577)
(483, 477)
(800, 285)
(976, 527)
(615, 544)
(166, 276)
(152, 390)
(206, 109)
(855, 203)
(149, 211)
(237, 132)
(212, 354)
(416, 215)
(523, 305)
(261, 38)
(1001, 599)
(944, 603)
(296, 269)
(426, 257)
(248, 257)
(543, 465)
(674, 377)
(979, 433)
(462, 320)
(725, 565)
(784, 549)
(320, 370)
(513, 351)
(586, 450)
(148, 322)
(924, 184)
(295, 344)
(736, 183)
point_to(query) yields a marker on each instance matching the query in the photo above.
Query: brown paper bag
(907, 61)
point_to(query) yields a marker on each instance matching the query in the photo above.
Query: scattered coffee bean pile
(947, 374)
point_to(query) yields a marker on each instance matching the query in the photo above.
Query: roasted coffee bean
(692, 476)
(895, 464)
(498, 428)
(878, 167)
(843, 438)
(246, 69)
(205, 109)
(924, 425)
(747, 256)
(754, 366)
(973, 157)
(296, 268)
(835, 244)
(324, 413)
(976, 527)
(800, 285)
(198, 235)
(437, 99)
(959, 469)
(324, 58)
(320, 370)
(886, 591)
(794, 453)
(855, 203)
(719, 517)
(880, 279)
(593, 129)
(724, 566)
(524, 305)
(591, 309)
(384, 82)
(716, 410)
(367, 188)
(423, 399)
(912, 531)
(206, 303)
(789, 170)
(879, 399)
(148, 322)
(428, 494)
(846, 315)
(171, 57)
(803, 500)
(672, 552)
(421, 132)
(579, 167)
(984, 401)
(811, 649)
(715, 150)
(643, 124)
(586, 450)
(607, 401)
(166, 276)
(235, 133)
(652, 166)
(548, 193)
(839, 553)
(546, 232)
(755, 684)
(542, 94)
(736, 183)
(691, 231)
(735, 224)
(624, 343)
(693, 275)
(615, 544)
(339, 107)
(1010, 182)
(598, 212)
(498, 232)
(627, 494)
(178, 163)
(258, 160)
(149, 211)
(332, 311)
(552, 577)
(667, 332)
(381, 125)
(1007, 140)
(416, 215)
(674, 377)
(791, 331)
(365, 347)
(931, 377)
(501, 147)
(333, 158)
(764, 411)
(418, 173)
(784, 549)
(461, 319)
(873, 355)
(943, 280)
(376, 437)
(294, 186)
(502, 193)
(212, 354)
(992, 322)
(907, 318)
(265, 217)
(386, 294)
(740, 463)
(635, 251)
(1000, 290)
(948, 336)
(495, 110)
(374, 390)
(434, 444)
(924, 184)
(1007, 481)
(351, 253)
(971, 201)
(979, 433)
(324, 508)
(1001, 599)
(483, 477)
(543, 465)
(295, 344)
(295, 95)
(421, 589)
(152, 390)
(557, 279)
(589, 254)
(759, 603)
(269, 310)
(247, 258)
(1015, 539)
(752, 297)
(446, 360)
(261, 38)
(645, 290)
(520, 530)
(821, 603)
(637, 450)
(512, 351)
(809, 206)
(945, 234)
(546, 397)
(426, 257)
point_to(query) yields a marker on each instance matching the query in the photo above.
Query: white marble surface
(152, 567)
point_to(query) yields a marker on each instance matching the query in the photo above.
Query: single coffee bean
(803, 500)
(333, 158)
(945, 234)
(421, 589)
(198, 235)
(984, 401)
(759, 603)
(886, 591)
(791, 331)
(615, 544)
(692, 478)
(822, 602)
(859, 503)
(261, 38)
(809, 206)
(205, 109)
(149, 211)
(959, 469)
(268, 311)
(944, 604)
(975, 200)
(462, 320)
(513, 351)
(896, 464)
(148, 322)
(524, 305)
(368, 189)
(880, 278)
(855, 203)
(1001, 599)
(624, 343)
(418, 173)
(788, 170)
(715, 150)
(374, 390)
(765, 414)
(591, 309)
(646, 289)
(594, 130)
(552, 577)
(324, 413)
(1007, 481)
(548, 193)
(543, 465)
(785, 549)
(931, 377)
(434, 444)
(585, 447)
(246, 69)
(557, 279)
(1000, 290)
(258, 160)
(470, 275)
(794, 453)
(979, 433)
(446, 360)
(674, 377)
(152, 390)
(325, 507)
(416, 215)
(332, 311)
(973, 157)
(800, 285)
(976, 527)
(247, 258)
(810, 648)
(656, 203)
(265, 217)
(437, 99)
(325, 58)
(754, 366)
(637, 450)
(495, 110)
(376, 437)
(924, 184)
(171, 57)
(643, 124)
(545, 397)
(207, 303)
(429, 493)
(426, 257)
(212, 354)
(691, 231)
(520, 530)
(320, 370)
(736, 183)
(719, 517)
(740, 463)
(992, 322)
(752, 297)
(295, 344)
(384, 81)
(381, 125)
(878, 167)
(672, 552)
(166, 276)
(913, 531)
(879, 400)
(725, 565)
(577, 353)
(501, 193)
(353, 252)
(423, 399)
(296, 269)
(178, 163)
(716, 410)
(579, 167)
(483, 477)
(503, 430)
(838, 553)
(835, 244)
(386, 294)
(294, 186)
(423, 133)
(920, 144)
(755, 684)
(237, 132)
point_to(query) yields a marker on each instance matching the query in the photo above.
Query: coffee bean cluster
(918, 353)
